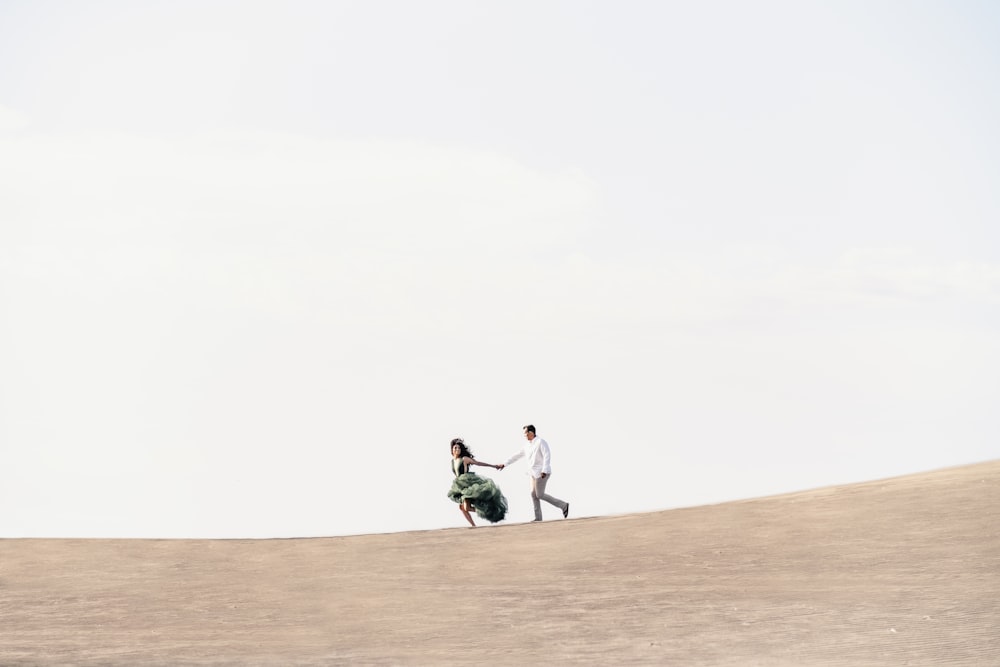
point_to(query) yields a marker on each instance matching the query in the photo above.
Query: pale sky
(261, 261)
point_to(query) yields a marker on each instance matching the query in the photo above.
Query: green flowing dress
(485, 495)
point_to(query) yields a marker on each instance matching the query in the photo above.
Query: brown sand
(903, 571)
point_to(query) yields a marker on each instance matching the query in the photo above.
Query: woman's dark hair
(461, 443)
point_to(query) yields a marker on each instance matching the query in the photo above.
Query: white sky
(260, 262)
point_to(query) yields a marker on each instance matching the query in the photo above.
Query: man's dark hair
(530, 428)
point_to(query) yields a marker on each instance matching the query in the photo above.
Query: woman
(471, 491)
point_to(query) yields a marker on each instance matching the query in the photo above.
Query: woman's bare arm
(471, 461)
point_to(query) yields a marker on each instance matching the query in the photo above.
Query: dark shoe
(566, 511)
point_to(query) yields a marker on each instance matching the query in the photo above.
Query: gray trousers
(538, 494)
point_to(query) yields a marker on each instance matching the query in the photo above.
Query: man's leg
(535, 493)
(538, 493)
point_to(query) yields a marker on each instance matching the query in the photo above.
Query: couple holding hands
(482, 495)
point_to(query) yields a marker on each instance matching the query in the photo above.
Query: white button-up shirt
(538, 455)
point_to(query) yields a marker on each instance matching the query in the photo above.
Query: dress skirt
(485, 495)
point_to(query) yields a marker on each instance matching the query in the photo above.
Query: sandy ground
(895, 572)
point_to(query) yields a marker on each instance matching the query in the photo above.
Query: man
(539, 458)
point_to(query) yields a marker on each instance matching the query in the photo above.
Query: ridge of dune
(887, 572)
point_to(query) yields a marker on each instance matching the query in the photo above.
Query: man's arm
(546, 458)
(518, 455)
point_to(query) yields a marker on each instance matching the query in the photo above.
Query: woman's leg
(465, 506)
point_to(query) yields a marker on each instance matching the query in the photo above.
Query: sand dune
(903, 571)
